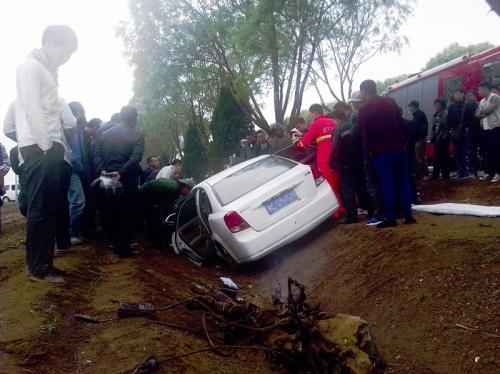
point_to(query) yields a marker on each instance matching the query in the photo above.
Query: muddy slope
(429, 291)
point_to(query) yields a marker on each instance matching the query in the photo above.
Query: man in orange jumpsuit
(320, 131)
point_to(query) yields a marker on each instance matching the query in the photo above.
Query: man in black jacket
(118, 154)
(347, 159)
(460, 116)
(421, 126)
(411, 132)
(472, 135)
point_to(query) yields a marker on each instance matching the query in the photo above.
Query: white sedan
(250, 210)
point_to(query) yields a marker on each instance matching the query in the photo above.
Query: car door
(204, 208)
(192, 237)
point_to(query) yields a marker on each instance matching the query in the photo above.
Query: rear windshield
(250, 177)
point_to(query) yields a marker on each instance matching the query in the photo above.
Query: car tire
(6, 199)
(233, 265)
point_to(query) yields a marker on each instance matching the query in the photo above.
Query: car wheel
(233, 265)
(6, 199)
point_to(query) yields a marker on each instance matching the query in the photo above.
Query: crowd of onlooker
(80, 177)
(370, 153)
(77, 178)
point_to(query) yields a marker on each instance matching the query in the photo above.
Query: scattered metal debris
(297, 337)
(300, 338)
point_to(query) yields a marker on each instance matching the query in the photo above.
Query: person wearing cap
(421, 126)
(320, 133)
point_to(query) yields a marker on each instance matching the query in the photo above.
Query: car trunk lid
(278, 198)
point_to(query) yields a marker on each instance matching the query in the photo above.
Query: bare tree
(370, 27)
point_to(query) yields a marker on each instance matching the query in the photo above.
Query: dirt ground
(429, 292)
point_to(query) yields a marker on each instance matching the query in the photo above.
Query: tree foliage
(228, 126)
(195, 158)
(455, 50)
(386, 83)
(185, 51)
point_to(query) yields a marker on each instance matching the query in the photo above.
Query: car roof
(225, 173)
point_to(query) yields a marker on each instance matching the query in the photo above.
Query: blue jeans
(393, 173)
(76, 200)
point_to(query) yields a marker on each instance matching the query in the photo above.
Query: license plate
(279, 202)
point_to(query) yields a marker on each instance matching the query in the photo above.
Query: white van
(11, 193)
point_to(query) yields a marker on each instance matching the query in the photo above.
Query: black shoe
(350, 221)
(129, 254)
(410, 221)
(57, 271)
(387, 223)
(62, 251)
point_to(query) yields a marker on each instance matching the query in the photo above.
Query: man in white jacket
(489, 113)
(41, 145)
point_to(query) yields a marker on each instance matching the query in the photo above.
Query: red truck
(466, 72)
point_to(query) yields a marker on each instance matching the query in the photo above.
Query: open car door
(192, 236)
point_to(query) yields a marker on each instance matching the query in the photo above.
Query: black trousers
(45, 178)
(354, 192)
(441, 159)
(493, 150)
(120, 215)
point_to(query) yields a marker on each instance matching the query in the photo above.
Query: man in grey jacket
(40, 141)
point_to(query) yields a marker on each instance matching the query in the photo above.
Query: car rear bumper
(251, 245)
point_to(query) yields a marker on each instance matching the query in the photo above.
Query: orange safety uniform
(320, 132)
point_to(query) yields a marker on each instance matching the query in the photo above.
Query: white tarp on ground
(460, 209)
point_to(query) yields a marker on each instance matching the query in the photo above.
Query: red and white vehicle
(466, 72)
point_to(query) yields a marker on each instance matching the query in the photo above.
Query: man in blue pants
(384, 138)
(76, 195)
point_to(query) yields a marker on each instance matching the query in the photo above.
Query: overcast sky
(99, 76)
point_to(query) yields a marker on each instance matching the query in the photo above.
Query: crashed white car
(250, 210)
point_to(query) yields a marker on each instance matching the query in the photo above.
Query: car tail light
(235, 223)
(319, 180)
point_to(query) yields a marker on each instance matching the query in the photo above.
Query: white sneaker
(75, 240)
(496, 178)
(49, 278)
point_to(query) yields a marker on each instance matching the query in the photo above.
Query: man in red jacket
(320, 131)
(384, 140)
